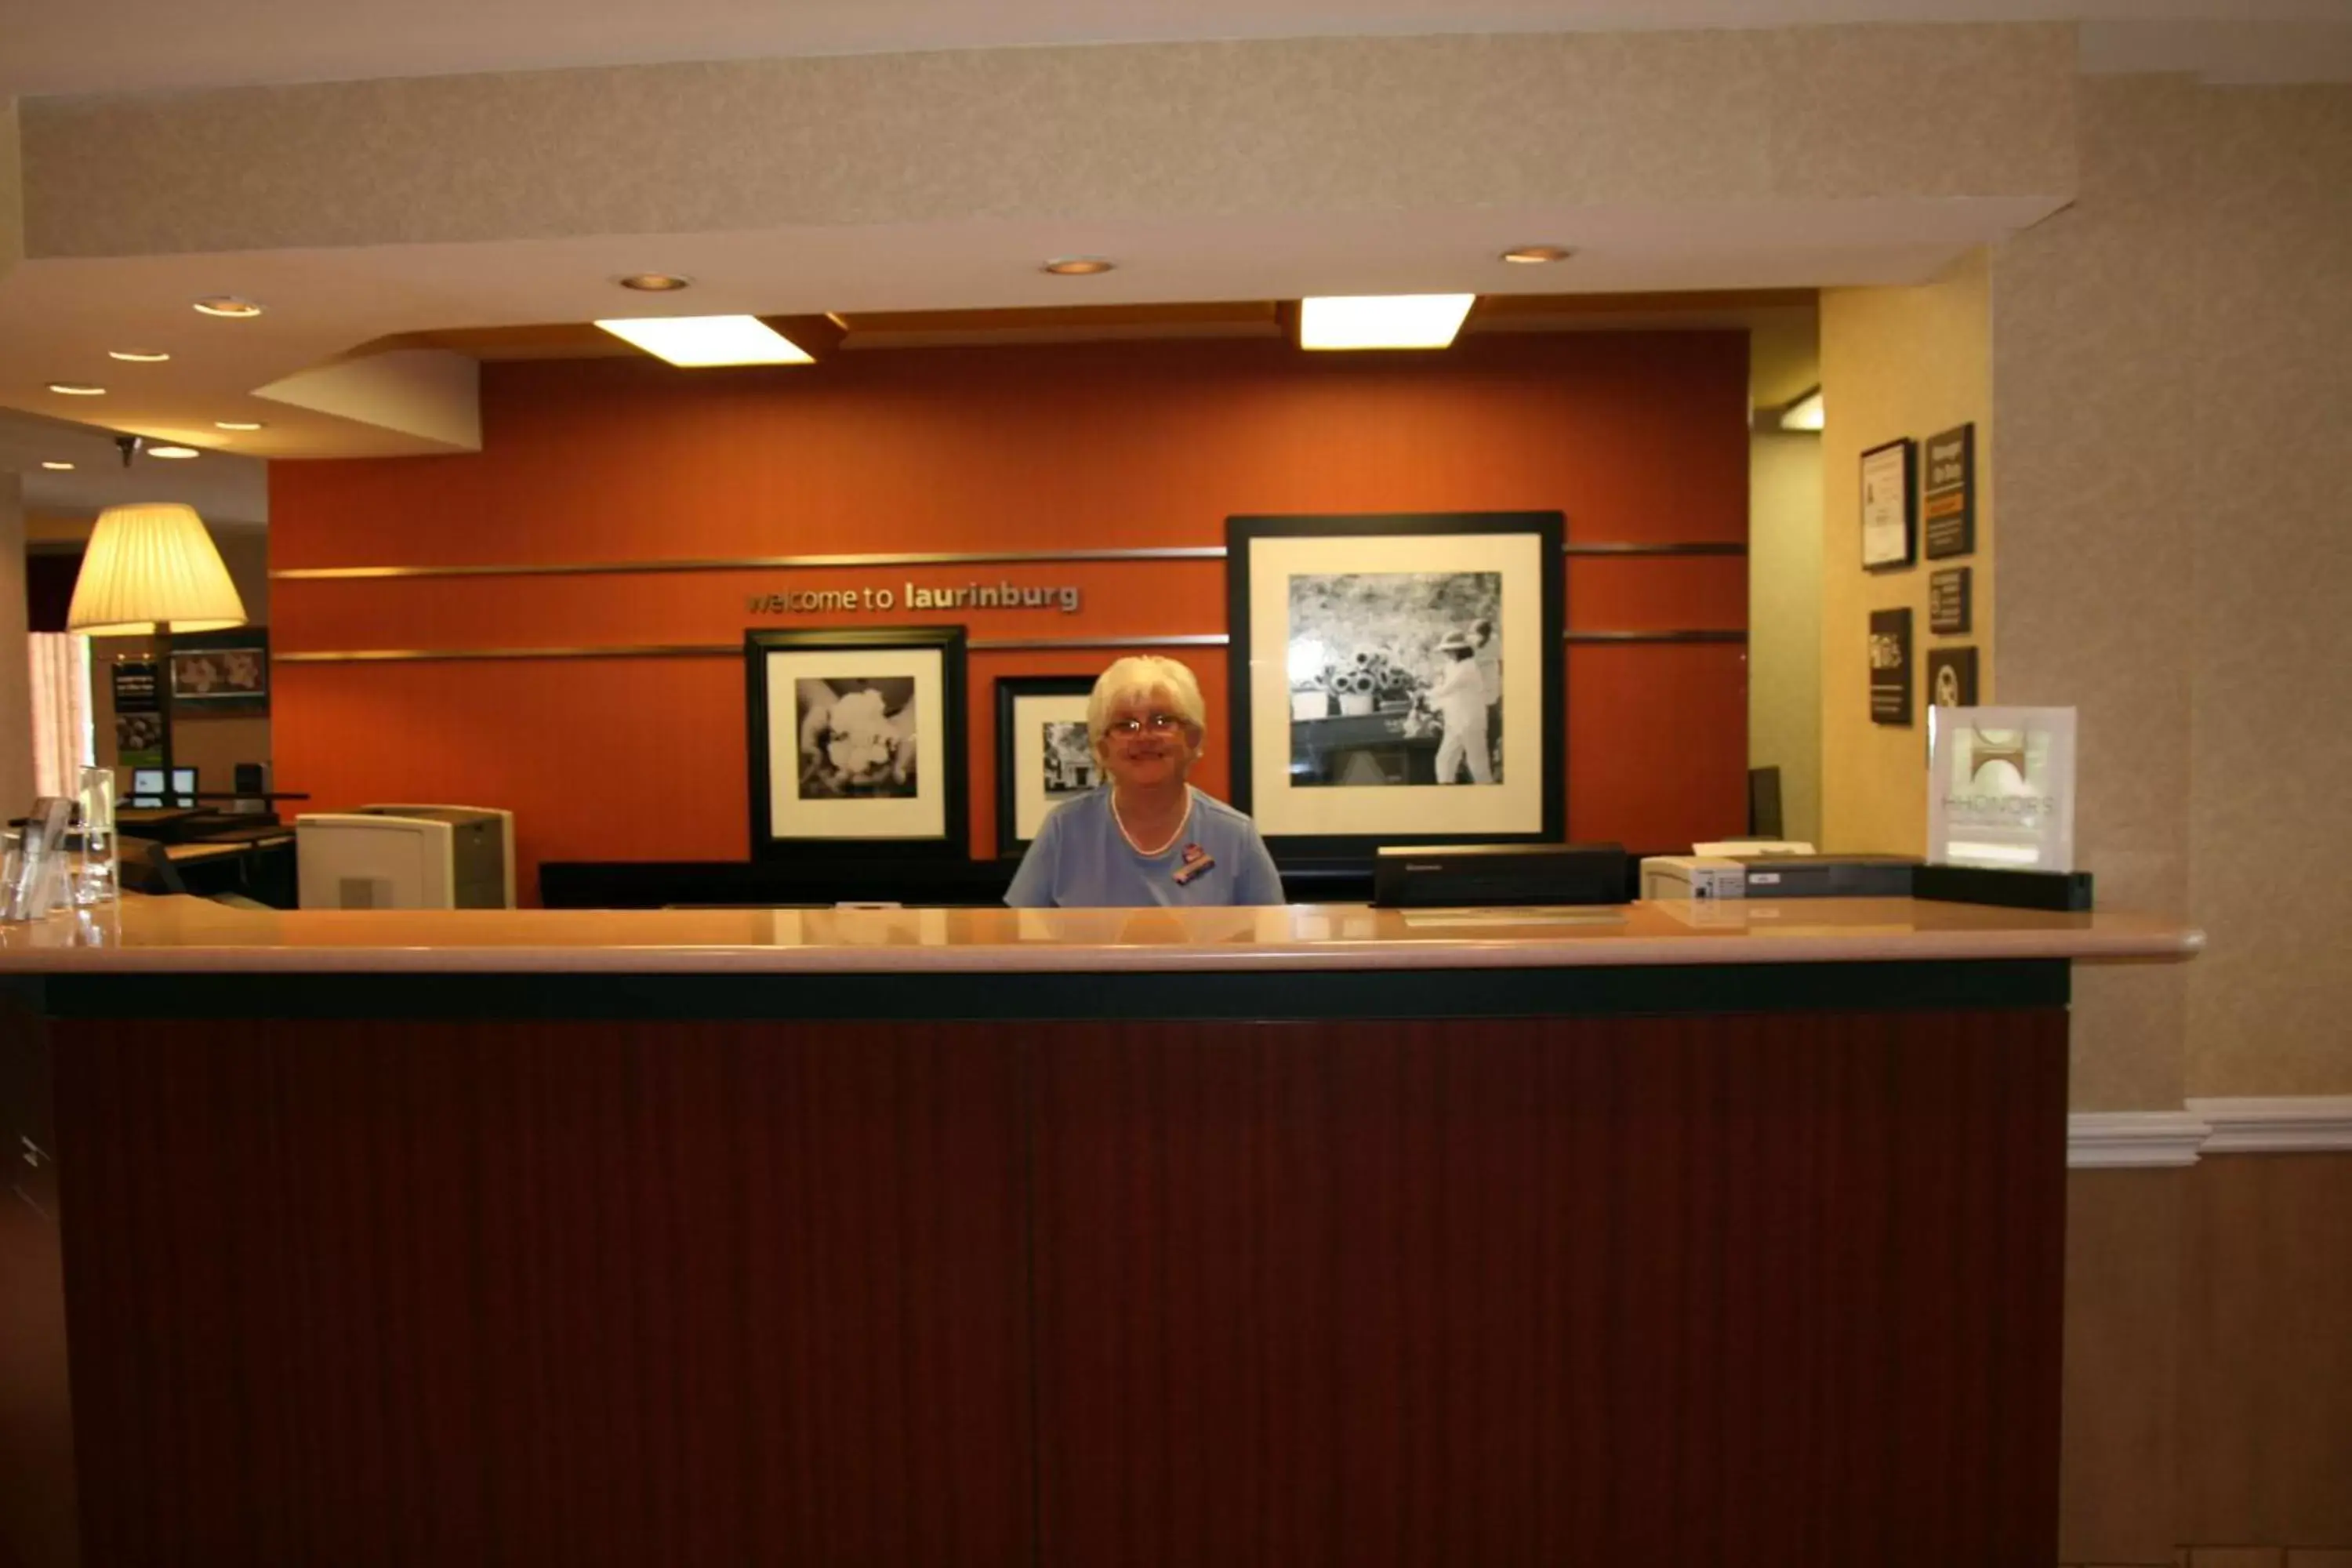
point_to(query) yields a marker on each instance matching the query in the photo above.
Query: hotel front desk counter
(1318, 1236)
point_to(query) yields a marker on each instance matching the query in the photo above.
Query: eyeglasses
(1157, 724)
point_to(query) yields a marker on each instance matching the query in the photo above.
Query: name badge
(1196, 860)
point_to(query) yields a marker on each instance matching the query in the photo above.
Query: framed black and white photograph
(1043, 755)
(856, 740)
(1397, 678)
(1890, 514)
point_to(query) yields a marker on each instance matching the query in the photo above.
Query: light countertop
(184, 935)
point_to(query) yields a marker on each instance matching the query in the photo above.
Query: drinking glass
(97, 870)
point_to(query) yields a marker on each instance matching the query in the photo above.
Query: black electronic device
(1828, 876)
(1452, 874)
(2067, 892)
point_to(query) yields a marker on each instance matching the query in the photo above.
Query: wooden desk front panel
(1763, 1290)
(544, 1295)
(1758, 1289)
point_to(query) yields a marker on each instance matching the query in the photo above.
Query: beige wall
(1784, 621)
(2172, 364)
(16, 658)
(1894, 363)
(12, 187)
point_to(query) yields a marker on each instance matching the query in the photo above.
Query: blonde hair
(1139, 676)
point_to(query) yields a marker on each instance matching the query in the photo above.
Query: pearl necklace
(1138, 848)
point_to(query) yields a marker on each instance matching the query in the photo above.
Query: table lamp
(152, 568)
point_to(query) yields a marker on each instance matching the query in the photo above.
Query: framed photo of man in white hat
(1375, 660)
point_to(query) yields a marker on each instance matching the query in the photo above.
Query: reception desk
(1313, 1236)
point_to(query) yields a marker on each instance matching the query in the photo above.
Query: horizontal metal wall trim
(945, 558)
(1710, 636)
(977, 644)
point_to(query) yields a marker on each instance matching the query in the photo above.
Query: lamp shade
(152, 568)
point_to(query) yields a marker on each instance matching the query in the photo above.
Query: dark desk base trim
(1661, 990)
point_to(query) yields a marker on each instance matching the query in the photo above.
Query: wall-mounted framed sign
(1889, 516)
(1948, 501)
(1397, 678)
(1952, 676)
(856, 740)
(1890, 666)
(1949, 602)
(220, 672)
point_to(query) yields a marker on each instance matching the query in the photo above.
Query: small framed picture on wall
(856, 740)
(1890, 514)
(1043, 756)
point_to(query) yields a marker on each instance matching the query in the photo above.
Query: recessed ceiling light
(227, 305)
(76, 389)
(1383, 321)
(1537, 255)
(654, 283)
(236, 424)
(1078, 265)
(171, 451)
(139, 356)
(55, 466)
(696, 341)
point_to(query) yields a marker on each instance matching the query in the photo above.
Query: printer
(406, 857)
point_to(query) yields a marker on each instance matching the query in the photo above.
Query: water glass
(97, 866)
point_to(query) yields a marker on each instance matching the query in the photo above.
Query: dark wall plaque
(140, 727)
(1890, 666)
(1948, 493)
(1952, 676)
(1949, 601)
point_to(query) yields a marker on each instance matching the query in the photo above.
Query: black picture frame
(892, 782)
(1020, 698)
(1890, 666)
(1948, 493)
(221, 672)
(1284, 771)
(1890, 467)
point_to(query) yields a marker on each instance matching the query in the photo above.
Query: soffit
(139, 46)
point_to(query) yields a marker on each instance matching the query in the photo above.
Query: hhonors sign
(2000, 787)
(912, 595)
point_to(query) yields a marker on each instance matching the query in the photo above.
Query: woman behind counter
(1147, 836)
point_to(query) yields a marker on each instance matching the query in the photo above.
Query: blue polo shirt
(1080, 860)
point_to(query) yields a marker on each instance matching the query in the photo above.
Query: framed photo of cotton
(856, 740)
(1043, 755)
(1397, 678)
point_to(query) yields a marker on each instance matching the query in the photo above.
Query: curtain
(63, 740)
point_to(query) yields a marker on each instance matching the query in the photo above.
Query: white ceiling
(227, 490)
(135, 46)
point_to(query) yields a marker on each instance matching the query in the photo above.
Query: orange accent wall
(1636, 437)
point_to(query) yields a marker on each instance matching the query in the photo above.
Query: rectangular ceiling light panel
(1383, 321)
(696, 341)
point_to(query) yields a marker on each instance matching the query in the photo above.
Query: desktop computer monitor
(183, 786)
(147, 786)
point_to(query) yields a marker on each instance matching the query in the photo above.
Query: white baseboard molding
(2133, 1139)
(2158, 1140)
(2302, 1124)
